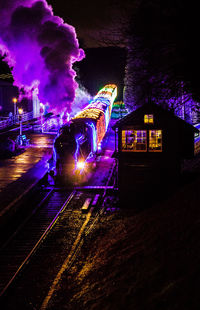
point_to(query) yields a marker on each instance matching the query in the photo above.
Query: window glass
(155, 140)
(148, 118)
(134, 140)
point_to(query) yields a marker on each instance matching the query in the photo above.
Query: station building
(150, 144)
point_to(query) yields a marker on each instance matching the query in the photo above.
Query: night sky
(99, 33)
(4, 67)
(102, 66)
(96, 24)
(107, 24)
(99, 30)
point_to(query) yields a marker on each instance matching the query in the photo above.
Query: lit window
(134, 140)
(148, 118)
(155, 140)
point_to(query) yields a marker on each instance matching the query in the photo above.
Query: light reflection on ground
(11, 169)
(41, 141)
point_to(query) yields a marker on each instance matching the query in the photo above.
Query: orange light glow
(20, 110)
(80, 165)
(14, 100)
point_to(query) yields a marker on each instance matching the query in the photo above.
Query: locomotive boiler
(79, 141)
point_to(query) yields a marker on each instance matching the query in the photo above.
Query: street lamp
(41, 114)
(21, 140)
(14, 100)
(20, 121)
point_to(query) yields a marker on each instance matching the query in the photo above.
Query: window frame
(161, 143)
(134, 150)
(148, 119)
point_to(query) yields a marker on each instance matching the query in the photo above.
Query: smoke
(40, 49)
(81, 100)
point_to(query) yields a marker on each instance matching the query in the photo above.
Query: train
(197, 140)
(79, 141)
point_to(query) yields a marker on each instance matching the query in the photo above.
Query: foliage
(163, 61)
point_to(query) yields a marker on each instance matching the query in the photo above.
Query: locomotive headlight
(80, 165)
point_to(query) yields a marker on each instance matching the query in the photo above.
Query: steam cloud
(40, 48)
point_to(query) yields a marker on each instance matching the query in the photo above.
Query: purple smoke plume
(41, 49)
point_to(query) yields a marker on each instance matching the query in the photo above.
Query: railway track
(19, 249)
(97, 203)
(16, 252)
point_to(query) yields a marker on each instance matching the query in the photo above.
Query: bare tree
(160, 57)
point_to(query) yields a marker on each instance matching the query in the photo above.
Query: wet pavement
(11, 169)
(20, 173)
(28, 168)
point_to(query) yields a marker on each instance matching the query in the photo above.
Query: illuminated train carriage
(80, 140)
(197, 140)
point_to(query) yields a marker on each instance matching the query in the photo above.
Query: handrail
(8, 121)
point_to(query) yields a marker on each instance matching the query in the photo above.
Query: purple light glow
(185, 107)
(40, 49)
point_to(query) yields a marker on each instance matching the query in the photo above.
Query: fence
(8, 121)
(5, 123)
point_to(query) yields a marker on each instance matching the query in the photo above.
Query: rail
(14, 256)
(86, 228)
(96, 210)
(9, 121)
(5, 123)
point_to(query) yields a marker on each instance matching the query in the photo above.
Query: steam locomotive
(80, 140)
